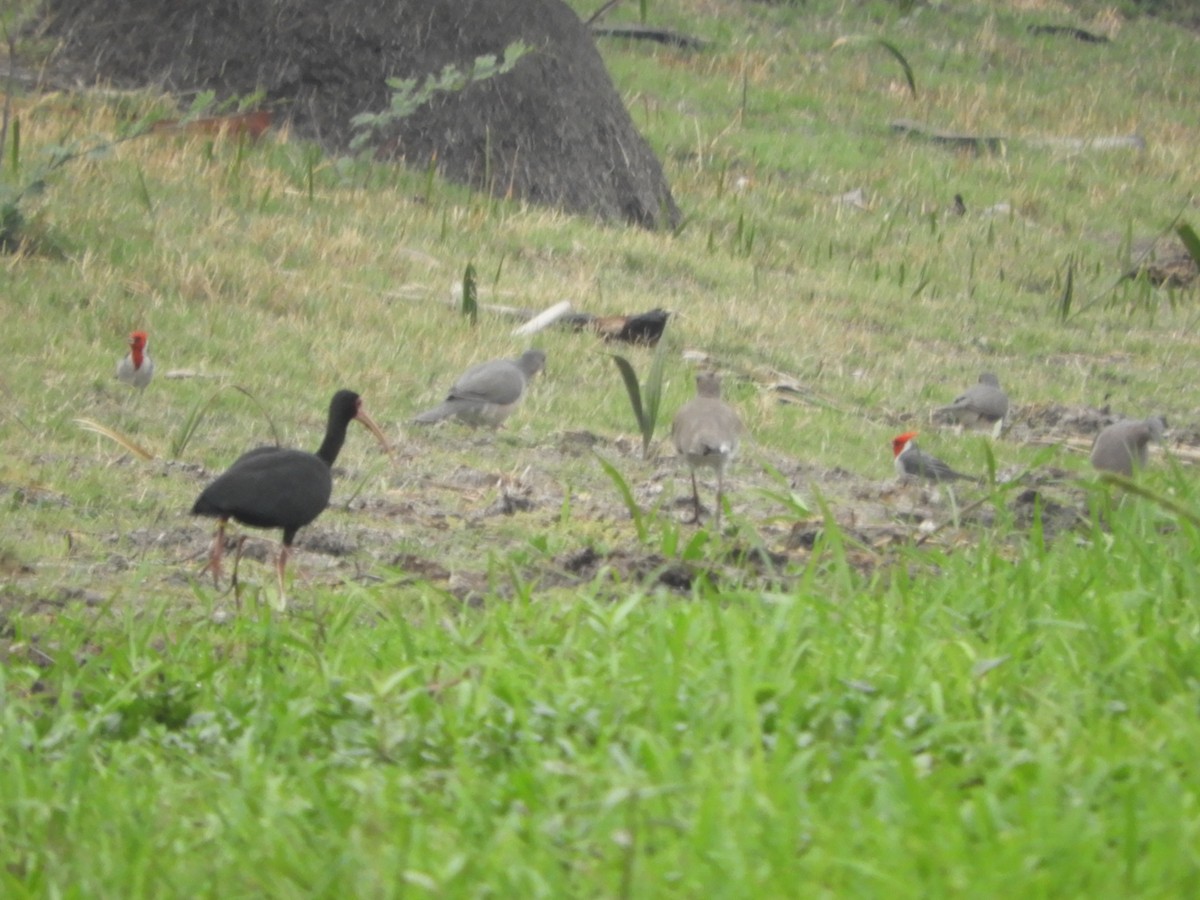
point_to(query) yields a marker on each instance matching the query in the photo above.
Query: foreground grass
(1010, 715)
(1012, 725)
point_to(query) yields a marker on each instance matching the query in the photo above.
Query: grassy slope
(1008, 717)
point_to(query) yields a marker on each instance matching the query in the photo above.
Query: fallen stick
(1069, 31)
(646, 33)
(994, 143)
(544, 319)
(954, 140)
(252, 124)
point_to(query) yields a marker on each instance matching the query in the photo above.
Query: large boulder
(552, 131)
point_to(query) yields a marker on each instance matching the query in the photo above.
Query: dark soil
(552, 131)
(481, 528)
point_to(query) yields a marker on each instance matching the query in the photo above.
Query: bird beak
(370, 425)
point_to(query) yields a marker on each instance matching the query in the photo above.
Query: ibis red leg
(218, 547)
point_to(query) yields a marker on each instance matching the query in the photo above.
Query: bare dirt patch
(542, 513)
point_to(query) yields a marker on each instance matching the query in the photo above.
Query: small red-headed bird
(912, 460)
(137, 368)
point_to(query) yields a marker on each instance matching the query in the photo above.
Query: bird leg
(218, 547)
(695, 500)
(280, 566)
(233, 582)
(720, 490)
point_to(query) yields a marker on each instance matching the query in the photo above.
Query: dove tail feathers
(437, 414)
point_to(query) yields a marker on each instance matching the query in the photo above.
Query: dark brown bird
(275, 487)
(644, 328)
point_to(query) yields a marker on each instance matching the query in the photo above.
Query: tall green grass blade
(1068, 292)
(635, 511)
(1168, 503)
(143, 192)
(652, 393)
(860, 39)
(430, 177)
(793, 503)
(1191, 242)
(191, 424)
(989, 458)
(633, 389)
(900, 58)
(470, 301)
(645, 399)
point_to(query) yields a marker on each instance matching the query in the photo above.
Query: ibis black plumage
(276, 487)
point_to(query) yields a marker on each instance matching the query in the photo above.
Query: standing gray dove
(1123, 445)
(487, 394)
(706, 432)
(983, 405)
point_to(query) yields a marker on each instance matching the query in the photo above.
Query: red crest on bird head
(901, 440)
(137, 348)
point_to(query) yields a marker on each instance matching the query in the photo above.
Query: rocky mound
(552, 131)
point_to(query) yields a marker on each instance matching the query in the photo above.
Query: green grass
(1019, 721)
(453, 704)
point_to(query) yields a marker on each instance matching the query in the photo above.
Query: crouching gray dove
(487, 394)
(706, 432)
(983, 405)
(1123, 445)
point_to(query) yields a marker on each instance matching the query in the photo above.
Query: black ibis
(487, 394)
(137, 368)
(275, 487)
